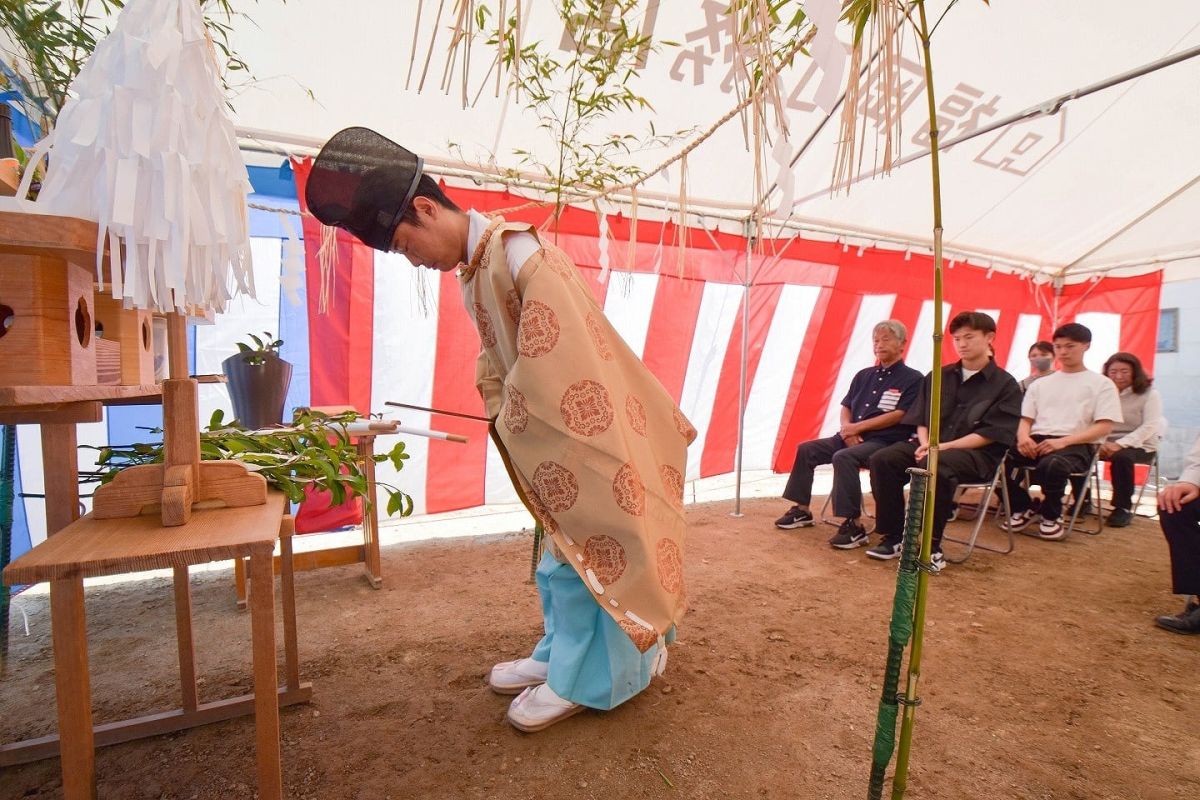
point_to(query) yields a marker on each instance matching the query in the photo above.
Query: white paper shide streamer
(145, 148)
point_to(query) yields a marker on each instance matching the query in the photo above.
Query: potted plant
(258, 381)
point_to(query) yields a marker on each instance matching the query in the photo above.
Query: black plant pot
(258, 385)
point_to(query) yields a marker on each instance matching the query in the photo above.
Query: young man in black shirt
(879, 396)
(981, 408)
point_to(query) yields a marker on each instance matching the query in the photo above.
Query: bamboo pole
(900, 780)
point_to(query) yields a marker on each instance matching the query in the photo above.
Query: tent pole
(741, 438)
(1045, 109)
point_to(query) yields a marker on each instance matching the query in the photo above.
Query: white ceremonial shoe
(510, 677)
(538, 707)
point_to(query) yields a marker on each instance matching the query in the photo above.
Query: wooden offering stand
(182, 481)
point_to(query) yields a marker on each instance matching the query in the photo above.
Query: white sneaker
(538, 707)
(511, 677)
(1052, 529)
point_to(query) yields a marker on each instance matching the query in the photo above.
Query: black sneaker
(937, 562)
(1188, 622)
(849, 536)
(885, 551)
(796, 517)
(1119, 518)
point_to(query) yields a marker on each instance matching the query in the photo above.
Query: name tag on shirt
(889, 400)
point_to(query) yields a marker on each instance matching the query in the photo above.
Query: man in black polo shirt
(879, 396)
(981, 408)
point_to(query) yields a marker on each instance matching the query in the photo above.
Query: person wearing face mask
(870, 420)
(980, 410)
(595, 446)
(1041, 363)
(1135, 438)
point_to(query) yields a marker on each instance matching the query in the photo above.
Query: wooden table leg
(366, 449)
(187, 648)
(266, 685)
(287, 588)
(72, 685)
(60, 468)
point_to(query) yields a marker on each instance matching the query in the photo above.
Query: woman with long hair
(1135, 440)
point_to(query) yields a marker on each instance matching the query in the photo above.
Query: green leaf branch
(315, 450)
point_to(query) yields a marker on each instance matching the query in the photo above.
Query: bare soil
(1043, 678)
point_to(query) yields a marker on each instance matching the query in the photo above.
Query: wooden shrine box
(46, 334)
(47, 315)
(131, 330)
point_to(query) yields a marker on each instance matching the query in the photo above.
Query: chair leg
(972, 543)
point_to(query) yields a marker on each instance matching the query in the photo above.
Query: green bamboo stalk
(900, 780)
(899, 633)
(538, 534)
(8, 477)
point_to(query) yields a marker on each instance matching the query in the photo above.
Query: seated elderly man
(879, 396)
(1179, 505)
(980, 411)
(1064, 416)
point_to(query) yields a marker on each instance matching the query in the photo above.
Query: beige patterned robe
(596, 446)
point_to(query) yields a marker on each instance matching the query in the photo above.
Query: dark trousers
(1182, 530)
(1122, 463)
(847, 492)
(889, 476)
(1049, 472)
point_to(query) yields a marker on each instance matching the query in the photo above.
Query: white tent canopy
(1107, 184)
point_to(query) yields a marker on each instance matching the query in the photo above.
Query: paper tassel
(292, 278)
(145, 148)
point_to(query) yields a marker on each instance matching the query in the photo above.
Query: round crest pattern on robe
(540, 512)
(512, 304)
(636, 412)
(483, 321)
(558, 261)
(643, 638)
(538, 331)
(586, 408)
(599, 340)
(629, 491)
(682, 425)
(670, 565)
(605, 556)
(516, 413)
(555, 485)
(672, 482)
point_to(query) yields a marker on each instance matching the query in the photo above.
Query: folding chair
(1151, 474)
(1091, 476)
(829, 499)
(989, 488)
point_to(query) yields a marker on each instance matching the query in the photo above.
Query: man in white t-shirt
(1063, 417)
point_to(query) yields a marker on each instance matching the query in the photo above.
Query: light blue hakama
(591, 660)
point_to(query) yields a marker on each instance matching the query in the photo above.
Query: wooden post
(187, 647)
(366, 449)
(177, 349)
(73, 689)
(60, 466)
(287, 588)
(266, 686)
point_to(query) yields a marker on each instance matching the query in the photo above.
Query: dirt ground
(1043, 678)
